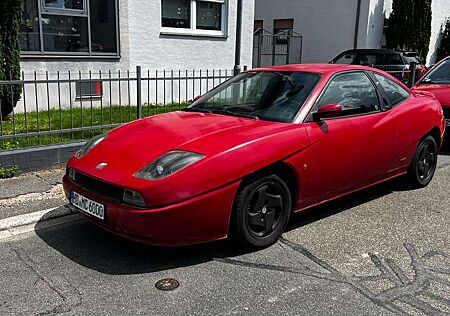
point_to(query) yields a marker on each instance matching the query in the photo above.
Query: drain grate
(167, 284)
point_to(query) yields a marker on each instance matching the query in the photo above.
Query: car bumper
(201, 219)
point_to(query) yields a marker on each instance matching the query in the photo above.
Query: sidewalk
(31, 192)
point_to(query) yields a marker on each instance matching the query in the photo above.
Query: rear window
(395, 93)
(357, 58)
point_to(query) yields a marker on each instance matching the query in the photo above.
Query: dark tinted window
(393, 59)
(353, 91)
(359, 58)
(395, 92)
(267, 95)
(103, 25)
(440, 74)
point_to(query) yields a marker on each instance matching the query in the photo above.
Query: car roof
(370, 50)
(323, 69)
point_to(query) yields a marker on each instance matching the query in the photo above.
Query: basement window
(89, 89)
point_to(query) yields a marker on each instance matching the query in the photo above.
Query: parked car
(437, 81)
(243, 157)
(394, 62)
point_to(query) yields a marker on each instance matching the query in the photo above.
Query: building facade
(90, 38)
(332, 26)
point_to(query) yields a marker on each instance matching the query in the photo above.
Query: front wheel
(424, 163)
(261, 211)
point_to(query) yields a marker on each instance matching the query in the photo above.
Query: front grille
(99, 187)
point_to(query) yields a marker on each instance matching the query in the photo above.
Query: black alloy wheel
(261, 211)
(424, 163)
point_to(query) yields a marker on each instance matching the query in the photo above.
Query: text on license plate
(447, 122)
(87, 205)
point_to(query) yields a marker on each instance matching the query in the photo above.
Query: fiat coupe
(243, 157)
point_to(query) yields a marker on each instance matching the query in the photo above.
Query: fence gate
(276, 49)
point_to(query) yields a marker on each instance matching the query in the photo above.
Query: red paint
(441, 91)
(330, 158)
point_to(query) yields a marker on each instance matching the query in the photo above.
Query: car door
(405, 109)
(354, 149)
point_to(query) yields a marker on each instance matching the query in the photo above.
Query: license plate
(447, 122)
(87, 205)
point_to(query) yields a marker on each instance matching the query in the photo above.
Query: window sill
(189, 33)
(55, 56)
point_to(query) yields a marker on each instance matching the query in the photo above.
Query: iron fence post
(138, 92)
(412, 74)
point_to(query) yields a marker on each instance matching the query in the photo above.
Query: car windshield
(439, 75)
(265, 95)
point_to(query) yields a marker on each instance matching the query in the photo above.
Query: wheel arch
(436, 134)
(282, 169)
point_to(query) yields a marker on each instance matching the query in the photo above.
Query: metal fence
(276, 49)
(67, 106)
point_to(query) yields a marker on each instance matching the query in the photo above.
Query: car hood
(131, 147)
(441, 92)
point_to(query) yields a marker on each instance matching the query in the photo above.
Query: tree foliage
(444, 48)
(10, 13)
(409, 26)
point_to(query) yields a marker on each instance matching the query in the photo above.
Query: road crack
(70, 296)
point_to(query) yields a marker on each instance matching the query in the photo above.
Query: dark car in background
(395, 63)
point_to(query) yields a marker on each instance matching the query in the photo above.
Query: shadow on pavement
(94, 248)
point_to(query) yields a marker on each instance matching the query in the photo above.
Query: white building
(332, 26)
(112, 34)
(79, 36)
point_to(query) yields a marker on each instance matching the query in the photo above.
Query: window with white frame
(202, 17)
(69, 27)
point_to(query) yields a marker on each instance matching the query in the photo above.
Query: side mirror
(197, 98)
(328, 111)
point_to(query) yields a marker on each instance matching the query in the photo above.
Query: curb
(20, 224)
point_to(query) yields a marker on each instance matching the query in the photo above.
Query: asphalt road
(383, 251)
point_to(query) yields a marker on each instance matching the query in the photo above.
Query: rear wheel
(424, 163)
(261, 211)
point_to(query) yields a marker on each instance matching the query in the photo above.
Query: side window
(395, 93)
(354, 92)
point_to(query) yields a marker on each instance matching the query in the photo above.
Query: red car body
(440, 90)
(194, 205)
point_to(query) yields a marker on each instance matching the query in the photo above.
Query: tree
(444, 48)
(409, 26)
(10, 13)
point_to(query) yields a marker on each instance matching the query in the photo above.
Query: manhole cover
(167, 284)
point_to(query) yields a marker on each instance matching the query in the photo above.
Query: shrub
(10, 13)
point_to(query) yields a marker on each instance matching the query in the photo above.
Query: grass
(56, 120)
(8, 172)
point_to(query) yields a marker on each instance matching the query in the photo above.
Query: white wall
(327, 26)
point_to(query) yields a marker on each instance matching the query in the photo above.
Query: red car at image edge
(437, 81)
(242, 158)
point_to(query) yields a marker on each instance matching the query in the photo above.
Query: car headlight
(89, 145)
(168, 164)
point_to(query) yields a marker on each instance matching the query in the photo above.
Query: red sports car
(242, 158)
(437, 81)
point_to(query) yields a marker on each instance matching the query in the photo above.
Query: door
(355, 149)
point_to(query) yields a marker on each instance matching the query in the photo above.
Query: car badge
(101, 165)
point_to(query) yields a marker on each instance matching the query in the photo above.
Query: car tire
(261, 211)
(424, 163)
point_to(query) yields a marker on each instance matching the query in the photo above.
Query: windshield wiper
(229, 112)
(428, 80)
(196, 110)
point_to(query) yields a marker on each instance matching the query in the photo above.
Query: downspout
(358, 13)
(237, 54)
